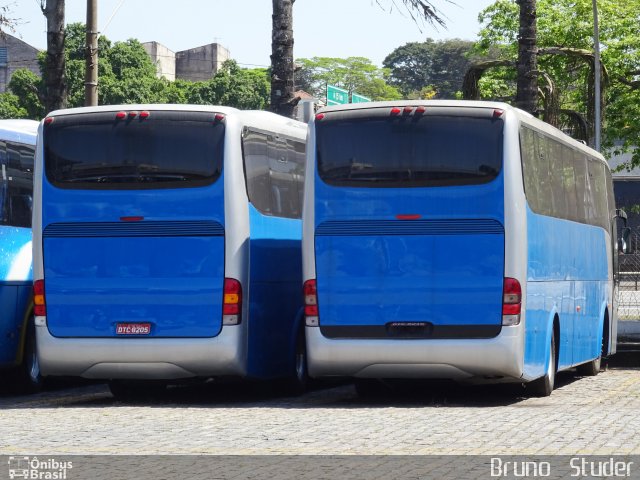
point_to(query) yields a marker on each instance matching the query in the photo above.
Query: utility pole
(91, 55)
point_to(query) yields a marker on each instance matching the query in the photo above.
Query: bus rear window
(409, 151)
(168, 149)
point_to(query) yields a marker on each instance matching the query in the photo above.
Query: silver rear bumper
(502, 356)
(142, 358)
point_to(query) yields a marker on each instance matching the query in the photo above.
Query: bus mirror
(623, 242)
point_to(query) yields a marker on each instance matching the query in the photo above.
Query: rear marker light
(511, 301)
(395, 111)
(408, 110)
(420, 110)
(39, 303)
(131, 219)
(319, 117)
(219, 117)
(232, 302)
(133, 114)
(310, 303)
(48, 120)
(412, 216)
(121, 115)
(497, 113)
(144, 114)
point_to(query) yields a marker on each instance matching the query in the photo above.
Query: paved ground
(583, 416)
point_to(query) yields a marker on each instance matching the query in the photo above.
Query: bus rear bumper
(499, 358)
(142, 358)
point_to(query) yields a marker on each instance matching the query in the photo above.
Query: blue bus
(17, 336)
(167, 245)
(455, 240)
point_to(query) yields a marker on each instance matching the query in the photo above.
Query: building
(14, 55)
(163, 58)
(196, 64)
(200, 63)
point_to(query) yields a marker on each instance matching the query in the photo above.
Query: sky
(323, 28)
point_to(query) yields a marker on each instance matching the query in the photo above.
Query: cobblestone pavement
(597, 415)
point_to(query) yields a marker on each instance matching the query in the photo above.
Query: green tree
(10, 106)
(569, 23)
(355, 74)
(440, 65)
(26, 86)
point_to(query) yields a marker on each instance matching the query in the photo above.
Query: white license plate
(133, 329)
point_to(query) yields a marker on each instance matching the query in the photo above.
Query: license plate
(133, 329)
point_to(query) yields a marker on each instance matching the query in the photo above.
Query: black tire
(543, 386)
(30, 378)
(298, 383)
(592, 368)
(137, 390)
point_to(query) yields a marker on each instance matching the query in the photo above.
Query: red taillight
(232, 302)
(497, 113)
(39, 304)
(511, 299)
(219, 117)
(410, 216)
(319, 117)
(420, 110)
(408, 110)
(395, 111)
(121, 115)
(144, 114)
(310, 303)
(48, 120)
(133, 114)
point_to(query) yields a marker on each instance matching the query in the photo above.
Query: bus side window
(256, 164)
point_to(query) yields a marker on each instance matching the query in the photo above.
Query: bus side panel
(275, 295)
(566, 274)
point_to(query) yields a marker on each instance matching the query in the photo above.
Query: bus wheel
(137, 390)
(298, 383)
(592, 368)
(31, 380)
(543, 386)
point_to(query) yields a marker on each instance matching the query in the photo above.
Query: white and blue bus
(167, 244)
(457, 240)
(17, 336)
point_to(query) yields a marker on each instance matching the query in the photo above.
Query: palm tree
(527, 64)
(282, 68)
(55, 83)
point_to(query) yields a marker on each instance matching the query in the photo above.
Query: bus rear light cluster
(133, 114)
(310, 303)
(39, 304)
(232, 303)
(511, 302)
(408, 110)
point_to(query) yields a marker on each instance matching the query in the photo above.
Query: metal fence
(629, 292)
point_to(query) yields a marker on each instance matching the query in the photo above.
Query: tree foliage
(127, 75)
(569, 23)
(438, 66)
(354, 74)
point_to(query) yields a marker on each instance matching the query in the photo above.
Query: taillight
(310, 303)
(232, 302)
(39, 304)
(511, 301)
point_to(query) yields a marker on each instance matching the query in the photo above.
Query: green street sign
(336, 96)
(355, 98)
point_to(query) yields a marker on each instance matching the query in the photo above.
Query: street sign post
(336, 96)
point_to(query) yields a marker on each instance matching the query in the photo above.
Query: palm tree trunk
(527, 65)
(55, 83)
(282, 70)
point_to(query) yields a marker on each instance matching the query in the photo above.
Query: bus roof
(145, 106)
(523, 116)
(19, 130)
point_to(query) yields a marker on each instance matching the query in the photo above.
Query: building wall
(163, 58)
(200, 63)
(14, 55)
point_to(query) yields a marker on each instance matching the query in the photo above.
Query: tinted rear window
(409, 151)
(165, 150)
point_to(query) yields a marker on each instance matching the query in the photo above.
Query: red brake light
(131, 219)
(319, 117)
(219, 117)
(133, 114)
(395, 111)
(121, 115)
(511, 297)
(408, 110)
(232, 303)
(498, 113)
(48, 120)
(39, 303)
(310, 298)
(144, 114)
(420, 110)
(412, 216)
